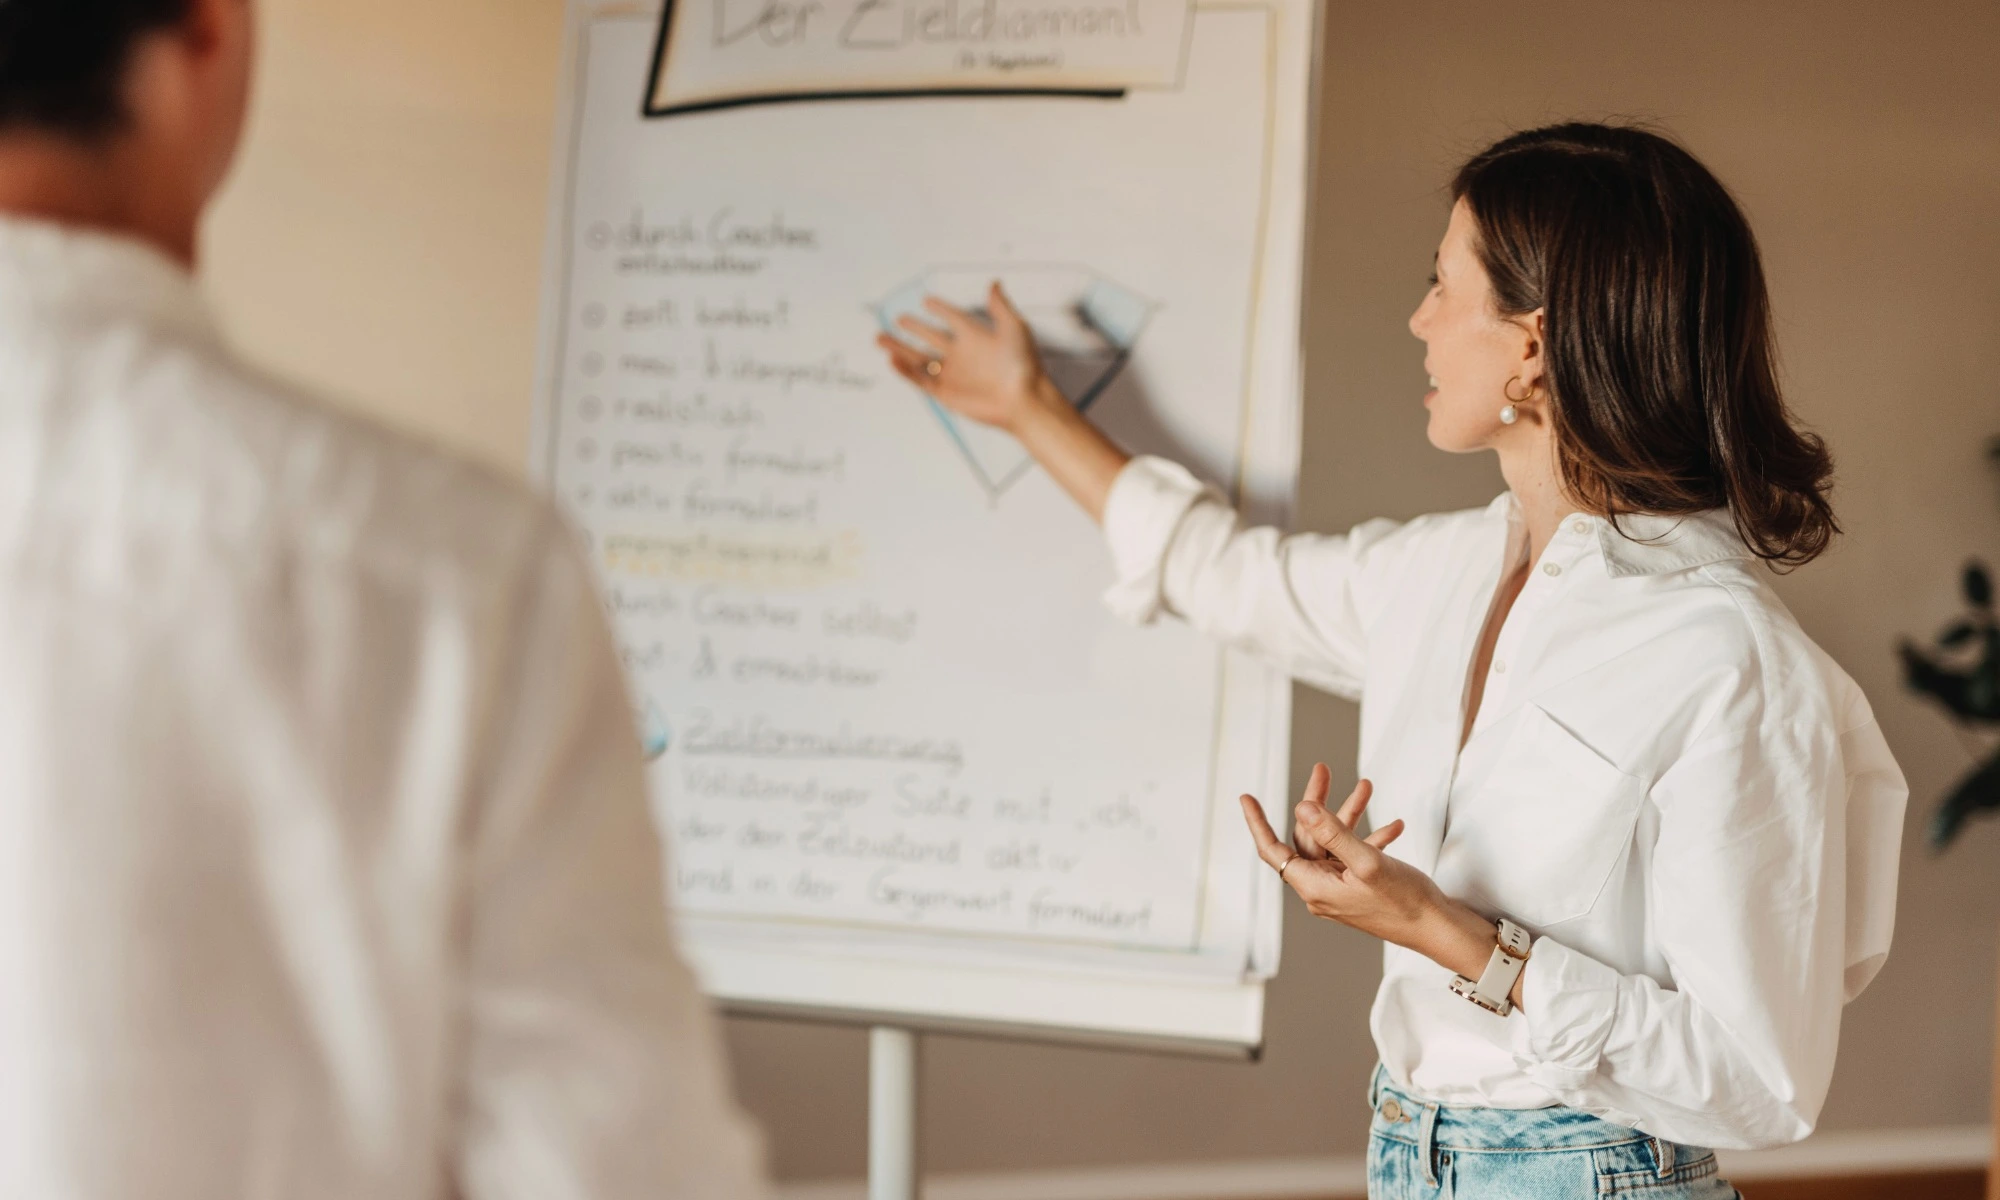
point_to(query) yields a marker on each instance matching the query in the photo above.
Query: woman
(1645, 830)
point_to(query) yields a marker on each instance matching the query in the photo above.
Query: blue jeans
(1423, 1151)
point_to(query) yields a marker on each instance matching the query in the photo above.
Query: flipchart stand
(894, 1162)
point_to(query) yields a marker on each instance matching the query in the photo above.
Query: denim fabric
(1423, 1151)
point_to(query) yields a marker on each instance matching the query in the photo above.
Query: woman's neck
(1530, 469)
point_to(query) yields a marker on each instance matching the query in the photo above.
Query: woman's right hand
(989, 373)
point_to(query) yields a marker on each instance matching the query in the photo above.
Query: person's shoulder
(1795, 654)
(281, 473)
(1726, 624)
(1735, 600)
(1453, 536)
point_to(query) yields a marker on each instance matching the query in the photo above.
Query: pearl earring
(1509, 415)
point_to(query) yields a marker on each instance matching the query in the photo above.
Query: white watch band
(1495, 986)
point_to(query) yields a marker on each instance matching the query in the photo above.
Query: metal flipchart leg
(893, 1162)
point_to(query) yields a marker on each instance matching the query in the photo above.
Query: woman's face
(1478, 361)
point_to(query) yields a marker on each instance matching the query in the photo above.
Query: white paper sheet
(893, 722)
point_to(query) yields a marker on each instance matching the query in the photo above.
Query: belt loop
(1663, 1155)
(1427, 1143)
(1375, 1087)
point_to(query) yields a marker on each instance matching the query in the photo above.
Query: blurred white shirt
(325, 863)
(1685, 800)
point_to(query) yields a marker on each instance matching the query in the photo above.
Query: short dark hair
(1659, 363)
(62, 62)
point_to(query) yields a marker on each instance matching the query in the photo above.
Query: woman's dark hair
(62, 62)
(1658, 358)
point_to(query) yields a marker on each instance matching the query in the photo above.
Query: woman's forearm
(1460, 940)
(1074, 452)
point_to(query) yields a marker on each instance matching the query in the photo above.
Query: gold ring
(1288, 862)
(934, 368)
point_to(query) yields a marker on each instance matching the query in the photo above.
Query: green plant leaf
(1977, 793)
(1958, 634)
(1978, 585)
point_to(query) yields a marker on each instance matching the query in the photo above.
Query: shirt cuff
(1145, 508)
(1570, 1001)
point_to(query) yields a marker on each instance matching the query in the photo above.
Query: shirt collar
(67, 272)
(1646, 544)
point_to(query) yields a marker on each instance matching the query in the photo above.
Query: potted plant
(1962, 672)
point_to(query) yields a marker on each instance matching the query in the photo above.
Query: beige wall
(382, 236)
(383, 242)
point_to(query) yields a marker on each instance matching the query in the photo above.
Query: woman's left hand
(1351, 881)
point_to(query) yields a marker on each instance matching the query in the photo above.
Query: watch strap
(1495, 985)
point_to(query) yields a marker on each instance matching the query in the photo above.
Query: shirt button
(1579, 527)
(1499, 668)
(1551, 569)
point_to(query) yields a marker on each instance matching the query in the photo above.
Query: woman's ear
(1534, 330)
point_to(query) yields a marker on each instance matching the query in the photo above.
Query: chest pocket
(1555, 820)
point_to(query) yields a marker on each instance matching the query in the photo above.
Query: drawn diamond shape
(1084, 324)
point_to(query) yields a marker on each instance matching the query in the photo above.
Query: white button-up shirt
(325, 864)
(1684, 799)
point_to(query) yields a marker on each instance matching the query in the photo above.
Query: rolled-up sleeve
(1295, 600)
(1772, 898)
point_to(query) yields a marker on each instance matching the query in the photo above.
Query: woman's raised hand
(1343, 876)
(986, 371)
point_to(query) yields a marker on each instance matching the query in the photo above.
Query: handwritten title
(893, 24)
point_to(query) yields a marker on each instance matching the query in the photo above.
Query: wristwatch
(1495, 986)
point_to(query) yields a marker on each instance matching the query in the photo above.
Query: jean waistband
(1455, 1127)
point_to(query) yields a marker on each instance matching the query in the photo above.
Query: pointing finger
(900, 351)
(957, 318)
(930, 334)
(1318, 784)
(1307, 831)
(1338, 840)
(1002, 308)
(1273, 851)
(1388, 833)
(1356, 803)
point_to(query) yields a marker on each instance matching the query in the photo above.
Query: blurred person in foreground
(325, 865)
